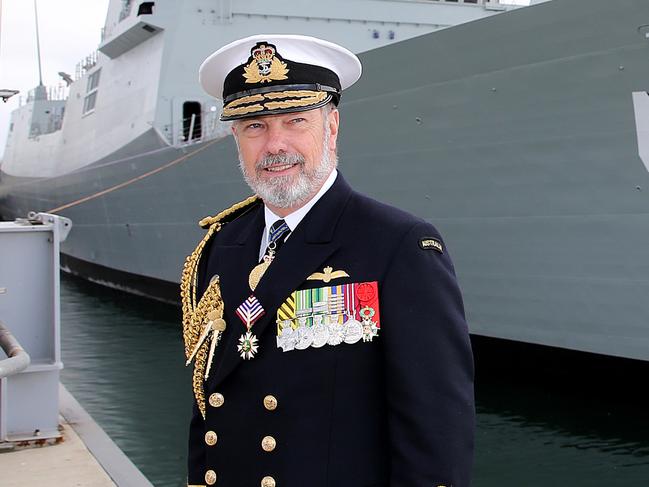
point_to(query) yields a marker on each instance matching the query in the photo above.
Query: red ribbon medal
(367, 294)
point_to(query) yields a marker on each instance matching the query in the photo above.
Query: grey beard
(290, 191)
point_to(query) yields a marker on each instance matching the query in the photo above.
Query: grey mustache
(273, 159)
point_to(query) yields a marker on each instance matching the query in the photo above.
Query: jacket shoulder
(390, 219)
(231, 213)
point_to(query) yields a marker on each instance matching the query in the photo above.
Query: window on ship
(145, 8)
(91, 92)
(191, 120)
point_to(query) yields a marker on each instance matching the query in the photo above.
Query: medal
(281, 342)
(247, 345)
(320, 332)
(365, 292)
(249, 312)
(370, 330)
(304, 335)
(368, 300)
(289, 338)
(285, 335)
(346, 313)
(260, 269)
(304, 338)
(336, 334)
(353, 331)
(320, 335)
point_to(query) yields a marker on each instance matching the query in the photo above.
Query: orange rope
(130, 181)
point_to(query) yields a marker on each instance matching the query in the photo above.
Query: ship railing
(52, 93)
(85, 65)
(18, 360)
(195, 129)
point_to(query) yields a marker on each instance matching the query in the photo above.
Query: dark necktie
(277, 236)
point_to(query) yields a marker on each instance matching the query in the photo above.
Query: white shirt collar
(293, 219)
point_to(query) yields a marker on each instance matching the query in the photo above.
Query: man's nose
(277, 140)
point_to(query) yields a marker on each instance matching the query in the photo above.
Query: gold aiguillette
(214, 328)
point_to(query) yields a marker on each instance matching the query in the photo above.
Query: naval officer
(326, 330)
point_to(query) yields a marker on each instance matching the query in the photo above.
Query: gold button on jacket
(216, 400)
(268, 482)
(268, 443)
(211, 438)
(270, 402)
(210, 477)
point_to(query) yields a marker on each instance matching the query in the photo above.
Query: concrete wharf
(84, 455)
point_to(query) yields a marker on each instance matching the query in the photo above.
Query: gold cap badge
(264, 66)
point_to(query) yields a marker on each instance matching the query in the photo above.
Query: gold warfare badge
(264, 65)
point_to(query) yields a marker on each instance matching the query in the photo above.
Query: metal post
(191, 127)
(38, 46)
(0, 26)
(29, 259)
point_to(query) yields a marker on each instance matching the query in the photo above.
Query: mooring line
(130, 181)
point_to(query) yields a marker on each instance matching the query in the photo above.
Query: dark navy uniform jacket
(397, 411)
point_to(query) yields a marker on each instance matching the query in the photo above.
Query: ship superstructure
(522, 135)
(140, 87)
(135, 153)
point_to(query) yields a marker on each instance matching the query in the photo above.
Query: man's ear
(334, 123)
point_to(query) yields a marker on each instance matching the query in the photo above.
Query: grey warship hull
(518, 136)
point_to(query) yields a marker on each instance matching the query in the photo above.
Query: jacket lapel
(306, 249)
(235, 259)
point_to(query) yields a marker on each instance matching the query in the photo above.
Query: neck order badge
(276, 236)
(249, 312)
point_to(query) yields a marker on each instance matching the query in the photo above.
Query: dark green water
(544, 417)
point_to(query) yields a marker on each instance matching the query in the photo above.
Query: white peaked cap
(295, 48)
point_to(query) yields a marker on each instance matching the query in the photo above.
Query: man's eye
(298, 120)
(253, 125)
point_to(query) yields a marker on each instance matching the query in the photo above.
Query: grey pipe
(18, 359)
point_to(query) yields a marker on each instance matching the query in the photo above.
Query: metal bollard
(29, 303)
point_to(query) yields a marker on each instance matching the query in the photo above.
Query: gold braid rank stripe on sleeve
(199, 317)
